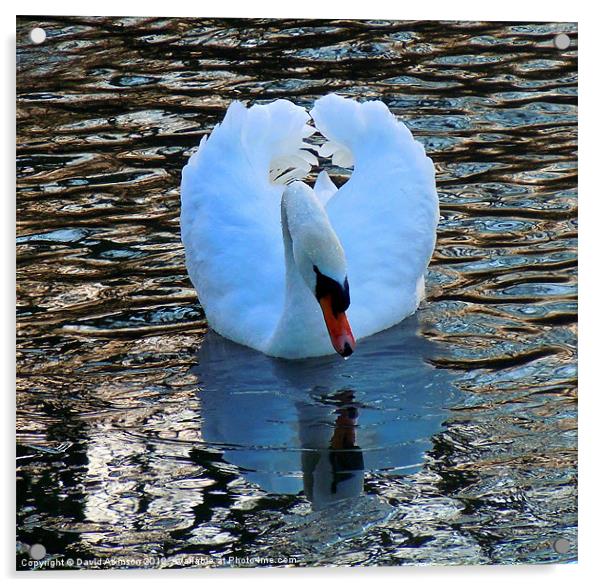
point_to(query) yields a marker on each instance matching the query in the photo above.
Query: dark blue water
(144, 440)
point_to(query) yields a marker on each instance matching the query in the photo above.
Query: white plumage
(235, 223)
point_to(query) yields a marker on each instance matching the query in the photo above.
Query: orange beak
(338, 328)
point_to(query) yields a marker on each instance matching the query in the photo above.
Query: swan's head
(320, 260)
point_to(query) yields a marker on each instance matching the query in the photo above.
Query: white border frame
(581, 11)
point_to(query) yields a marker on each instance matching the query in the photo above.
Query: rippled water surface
(448, 439)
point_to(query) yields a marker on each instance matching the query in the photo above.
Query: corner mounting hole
(37, 35)
(561, 546)
(562, 41)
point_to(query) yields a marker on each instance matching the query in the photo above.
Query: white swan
(295, 272)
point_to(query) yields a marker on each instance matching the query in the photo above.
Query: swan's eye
(339, 294)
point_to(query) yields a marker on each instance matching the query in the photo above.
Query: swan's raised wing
(385, 215)
(230, 217)
(324, 188)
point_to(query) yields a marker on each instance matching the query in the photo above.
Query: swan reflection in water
(331, 462)
(317, 425)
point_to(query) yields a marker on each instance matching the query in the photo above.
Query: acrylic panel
(145, 439)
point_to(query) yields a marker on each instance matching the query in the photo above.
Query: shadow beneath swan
(318, 425)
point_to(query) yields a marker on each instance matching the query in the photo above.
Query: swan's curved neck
(310, 247)
(301, 319)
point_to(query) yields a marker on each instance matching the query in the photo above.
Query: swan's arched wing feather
(324, 187)
(230, 218)
(385, 215)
